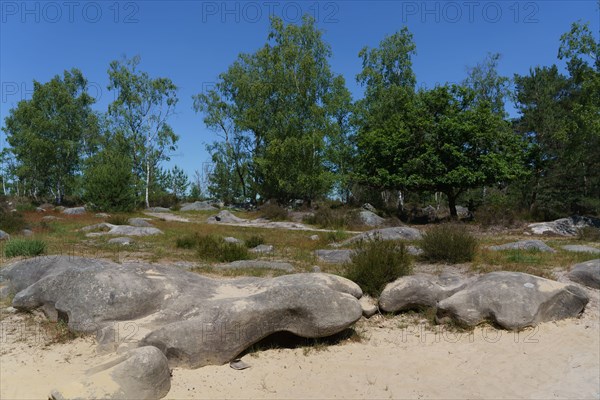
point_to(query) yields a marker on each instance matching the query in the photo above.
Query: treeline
(289, 130)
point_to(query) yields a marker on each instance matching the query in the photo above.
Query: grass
(330, 218)
(376, 263)
(11, 222)
(589, 234)
(254, 240)
(448, 243)
(24, 247)
(213, 248)
(274, 212)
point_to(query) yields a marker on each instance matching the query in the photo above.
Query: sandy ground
(398, 358)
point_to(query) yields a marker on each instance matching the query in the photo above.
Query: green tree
(177, 182)
(52, 133)
(274, 105)
(109, 182)
(489, 86)
(141, 111)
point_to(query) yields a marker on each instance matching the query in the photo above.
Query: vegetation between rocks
(448, 243)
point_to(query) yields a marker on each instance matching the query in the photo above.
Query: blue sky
(191, 42)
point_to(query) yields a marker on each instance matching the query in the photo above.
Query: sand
(399, 357)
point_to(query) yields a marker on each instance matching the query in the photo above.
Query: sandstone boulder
(564, 226)
(420, 290)
(74, 211)
(395, 233)
(198, 206)
(587, 273)
(513, 300)
(524, 245)
(225, 217)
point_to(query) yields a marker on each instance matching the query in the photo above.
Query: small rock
(74, 211)
(524, 245)
(316, 269)
(369, 207)
(581, 249)
(50, 218)
(4, 235)
(396, 233)
(239, 365)
(414, 250)
(334, 256)
(139, 222)
(233, 240)
(315, 238)
(124, 241)
(368, 305)
(10, 310)
(262, 249)
(102, 215)
(27, 232)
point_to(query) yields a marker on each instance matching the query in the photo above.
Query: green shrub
(22, 207)
(377, 263)
(589, 234)
(214, 248)
(11, 222)
(449, 243)
(253, 241)
(24, 247)
(274, 212)
(118, 220)
(329, 218)
(187, 241)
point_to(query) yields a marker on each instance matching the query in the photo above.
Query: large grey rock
(369, 207)
(369, 218)
(105, 228)
(581, 249)
(4, 235)
(257, 264)
(420, 290)
(395, 233)
(524, 245)
(564, 226)
(139, 222)
(334, 256)
(197, 206)
(225, 217)
(74, 211)
(194, 320)
(587, 273)
(513, 300)
(142, 373)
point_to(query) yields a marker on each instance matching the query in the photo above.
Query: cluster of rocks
(564, 226)
(181, 318)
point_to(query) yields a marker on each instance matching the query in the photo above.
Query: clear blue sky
(191, 42)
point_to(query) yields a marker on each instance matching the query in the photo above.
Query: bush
(377, 263)
(214, 248)
(328, 218)
(589, 234)
(187, 241)
(118, 220)
(24, 247)
(254, 241)
(274, 212)
(11, 222)
(450, 243)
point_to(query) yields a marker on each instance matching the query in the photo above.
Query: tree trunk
(147, 184)
(452, 204)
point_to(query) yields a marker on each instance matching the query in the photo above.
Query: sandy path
(555, 360)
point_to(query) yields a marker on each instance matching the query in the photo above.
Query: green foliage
(214, 248)
(377, 263)
(109, 183)
(276, 110)
(274, 212)
(448, 243)
(51, 133)
(589, 234)
(253, 241)
(189, 241)
(24, 247)
(332, 218)
(11, 222)
(141, 111)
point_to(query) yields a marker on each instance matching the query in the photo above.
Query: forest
(288, 131)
